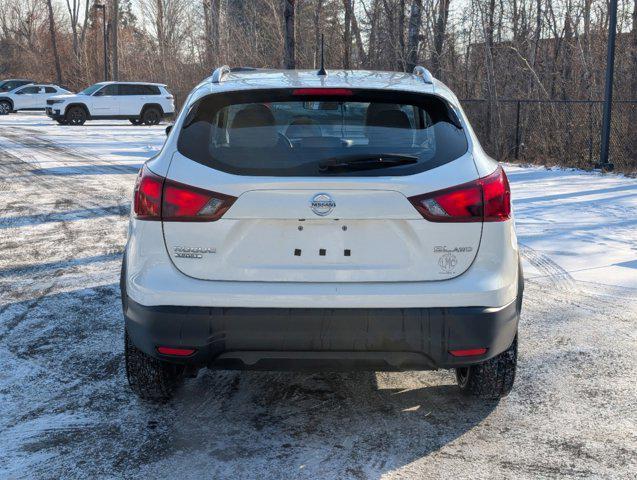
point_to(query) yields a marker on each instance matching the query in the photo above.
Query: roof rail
(217, 75)
(426, 75)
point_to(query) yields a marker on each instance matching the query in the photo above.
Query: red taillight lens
(157, 198)
(497, 197)
(176, 352)
(486, 199)
(323, 92)
(147, 196)
(183, 203)
(472, 352)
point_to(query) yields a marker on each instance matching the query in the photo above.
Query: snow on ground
(66, 412)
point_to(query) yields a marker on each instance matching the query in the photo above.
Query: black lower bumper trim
(339, 338)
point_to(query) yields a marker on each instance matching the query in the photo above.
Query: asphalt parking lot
(66, 410)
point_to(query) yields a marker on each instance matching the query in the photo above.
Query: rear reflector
(468, 353)
(323, 92)
(487, 199)
(177, 352)
(158, 198)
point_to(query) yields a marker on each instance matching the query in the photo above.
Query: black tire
(492, 379)
(5, 107)
(150, 378)
(75, 116)
(151, 116)
(135, 121)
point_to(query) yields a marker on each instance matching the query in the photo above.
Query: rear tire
(492, 379)
(150, 378)
(151, 116)
(135, 121)
(75, 116)
(5, 108)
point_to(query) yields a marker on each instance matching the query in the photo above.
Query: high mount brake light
(159, 198)
(487, 199)
(323, 92)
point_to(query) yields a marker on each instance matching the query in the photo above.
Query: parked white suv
(296, 220)
(141, 103)
(29, 97)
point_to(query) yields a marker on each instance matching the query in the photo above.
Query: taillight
(159, 198)
(147, 196)
(497, 197)
(487, 199)
(183, 203)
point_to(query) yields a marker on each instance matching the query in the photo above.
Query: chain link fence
(555, 132)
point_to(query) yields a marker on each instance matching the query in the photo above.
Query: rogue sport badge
(322, 204)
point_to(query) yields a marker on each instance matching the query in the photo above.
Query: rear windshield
(300, 133)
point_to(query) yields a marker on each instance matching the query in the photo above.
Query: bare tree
(347, 34)
(73, 7)
(317, 32)
(439, 35)
(54, 45)
(115, 40)
(212, 18)
(289, 60)
(359, 41)
(413, 36)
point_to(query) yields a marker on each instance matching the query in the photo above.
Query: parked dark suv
(12, 83)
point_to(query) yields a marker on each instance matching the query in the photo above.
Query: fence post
(517, 131)
(604, 164)
(590, 132)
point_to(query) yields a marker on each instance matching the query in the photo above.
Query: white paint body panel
(491, 281)
(32, 100)
(115, 105)
(253, 264)
(387, 239)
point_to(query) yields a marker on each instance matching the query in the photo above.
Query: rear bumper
(323, 338)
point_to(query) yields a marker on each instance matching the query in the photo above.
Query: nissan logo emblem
(322, 204)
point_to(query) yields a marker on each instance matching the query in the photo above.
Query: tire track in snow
(85, 198)
(555, 274)
(57, 152)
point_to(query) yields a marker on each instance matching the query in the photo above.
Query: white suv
(141, 103)
(296, 220)
(29, 97)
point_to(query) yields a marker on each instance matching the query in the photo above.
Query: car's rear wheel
(5, 108)
(492, 379)
(76, 116)
(135, 121)
(150, 378)
(151, 116)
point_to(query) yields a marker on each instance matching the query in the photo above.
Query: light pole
(101, 7)
(604, 164)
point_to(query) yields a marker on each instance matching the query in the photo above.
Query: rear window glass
(294, 133)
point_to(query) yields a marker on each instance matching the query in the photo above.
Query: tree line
(483, 49)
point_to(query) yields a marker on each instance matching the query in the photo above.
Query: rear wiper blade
(352, 163)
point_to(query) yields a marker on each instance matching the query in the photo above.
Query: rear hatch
(311, 190)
